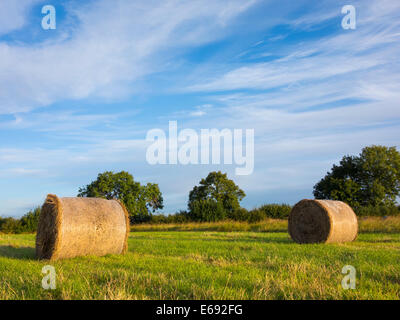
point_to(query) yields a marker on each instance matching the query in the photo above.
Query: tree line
(369, 183)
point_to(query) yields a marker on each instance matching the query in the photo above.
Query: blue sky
(80, 99)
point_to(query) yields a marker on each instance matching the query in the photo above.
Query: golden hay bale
(314, 221)
(71, 227)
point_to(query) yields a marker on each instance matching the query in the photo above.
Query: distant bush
(240, 214)
(159, 219)
(256, 215)
(11, 225)
(179, 217)
(206, 211)
(28, 223)
(276, 211)
(251, 216)
(140, 218)
(379, 211)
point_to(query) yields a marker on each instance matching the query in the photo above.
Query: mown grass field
(213, 261)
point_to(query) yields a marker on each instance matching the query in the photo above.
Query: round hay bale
(316, 221)
(71, 227)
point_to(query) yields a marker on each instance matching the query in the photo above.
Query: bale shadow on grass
(23, 253)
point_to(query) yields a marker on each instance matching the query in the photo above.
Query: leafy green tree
(218, 188)
(370, 179)
(140, 201)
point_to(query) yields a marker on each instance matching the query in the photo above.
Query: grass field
(203, 263)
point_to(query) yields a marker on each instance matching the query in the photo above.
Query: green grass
(211, 265)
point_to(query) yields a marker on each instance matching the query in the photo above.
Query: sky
(80, 99)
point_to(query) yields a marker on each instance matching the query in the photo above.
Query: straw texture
(71, 227)
(327, 221)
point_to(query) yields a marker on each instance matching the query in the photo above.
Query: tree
(219, 189)
(140, 201)
(370, 179)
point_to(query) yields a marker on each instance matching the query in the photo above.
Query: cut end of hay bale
(322, 221)
(71, 227)
(48, 228)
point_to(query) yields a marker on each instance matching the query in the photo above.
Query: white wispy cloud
(13, 14)
(374, 45)
(113, 44)
(319, 100)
